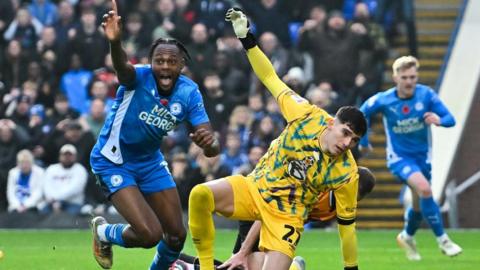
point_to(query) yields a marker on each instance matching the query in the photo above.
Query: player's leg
(413, 219)
(166, 205)
(275, 260)
(143, 228)
(279, 236)
(226, 196)
(403, 169)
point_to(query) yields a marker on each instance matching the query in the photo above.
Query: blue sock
(113, 233)
(164, 257)
(413, 220)
(431, 213)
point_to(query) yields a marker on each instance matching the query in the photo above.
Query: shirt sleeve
(196, 109)
(293, 106)
(437, 106)
(369, 108)
(346, 200)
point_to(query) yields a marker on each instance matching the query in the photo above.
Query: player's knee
(149, 236)
(201, 195)
(425, 191)
(176, 241)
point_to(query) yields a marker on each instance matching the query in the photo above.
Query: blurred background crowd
(57, 83)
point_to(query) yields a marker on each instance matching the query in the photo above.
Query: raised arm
(260, 63)
(113, 31)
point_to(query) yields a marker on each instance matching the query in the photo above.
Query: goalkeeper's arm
(260, 63)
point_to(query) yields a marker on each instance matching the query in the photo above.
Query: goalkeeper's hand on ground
(239, 22)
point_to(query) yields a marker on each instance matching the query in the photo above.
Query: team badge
(176, 108)
(298, 168)
(116, 180)
(406, 169)
(418, 106)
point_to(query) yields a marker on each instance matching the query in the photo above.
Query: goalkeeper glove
(241, 27)
(239, 22)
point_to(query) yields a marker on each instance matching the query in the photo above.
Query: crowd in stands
(57, 84)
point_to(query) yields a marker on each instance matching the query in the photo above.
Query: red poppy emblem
(405, 109)
(164, 102)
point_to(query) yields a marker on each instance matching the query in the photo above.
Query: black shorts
(243, 229)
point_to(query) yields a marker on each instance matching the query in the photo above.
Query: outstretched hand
(236, 260)
(239, 22)
(112, 23)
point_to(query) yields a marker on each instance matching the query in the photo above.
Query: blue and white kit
(127, 151)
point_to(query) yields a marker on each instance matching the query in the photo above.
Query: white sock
(442, 238)
(101, 232)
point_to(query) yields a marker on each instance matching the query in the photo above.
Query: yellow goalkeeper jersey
(294, 171)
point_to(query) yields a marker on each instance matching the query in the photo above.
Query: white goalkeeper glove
(239, 22)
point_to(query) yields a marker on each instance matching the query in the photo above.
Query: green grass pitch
(71, 250)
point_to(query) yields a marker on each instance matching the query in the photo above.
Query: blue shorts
(405, 167)
(149, 175)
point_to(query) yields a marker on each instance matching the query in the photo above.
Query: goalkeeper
(312, 155)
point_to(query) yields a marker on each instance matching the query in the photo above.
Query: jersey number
(288, 236)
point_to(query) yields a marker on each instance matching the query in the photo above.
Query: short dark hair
(171, 41)
(354, 118)
(366, 181)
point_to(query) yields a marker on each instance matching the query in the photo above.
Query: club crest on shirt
(298, 168)
(116, 180)
(418, 106)
(176, 108)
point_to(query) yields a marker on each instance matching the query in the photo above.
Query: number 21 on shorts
(292, 236)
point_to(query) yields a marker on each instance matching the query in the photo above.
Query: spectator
(107, 75)
(69, 132)
(264, 131)
(407, 13)
(61, 111)
(217, 103)
(336, 51)
(93, 122)
(25, 29)
(25, 184)
(88, 43)
(13, 64)
(212, 168)
(322, 97)
(21, 113)
(186, 177)
(171, 23)
(99, 90)
(65, 29)
(233, 156)
(37, 125)
(254, 155)
(372, 59)
(201, 50)
(65, 183)
(256, 106)
(7, 13)
(211, 14)
(233, 80)
(275, 51)
(262, 13)
(241, 120)
(44, 11)
(295, 79)
(135, 39)
(11, 141)
(74, 84)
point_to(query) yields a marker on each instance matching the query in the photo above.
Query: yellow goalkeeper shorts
(279, 232)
